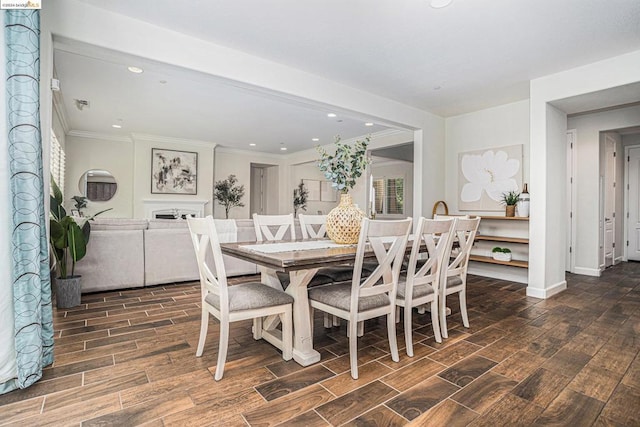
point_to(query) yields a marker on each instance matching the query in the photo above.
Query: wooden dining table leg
(303, 351)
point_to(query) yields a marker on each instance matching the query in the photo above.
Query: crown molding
(96, 135)
(171, 140)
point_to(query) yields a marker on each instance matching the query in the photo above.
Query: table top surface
(289, 260)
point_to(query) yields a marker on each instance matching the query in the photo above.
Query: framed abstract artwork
(174, 172)
(484, 175)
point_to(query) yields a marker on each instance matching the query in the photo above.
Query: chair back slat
(313, 226)
(465, 232)
(435, 235)
(265, 225)
(388, 240)
(205, 241)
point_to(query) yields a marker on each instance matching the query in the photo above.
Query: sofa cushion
(119, 224)
(167, 223)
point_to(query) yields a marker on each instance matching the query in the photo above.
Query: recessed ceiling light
(315, 139)
(331, 115)
(163, 82)
(368, 124)
(283, 148)
(252, 145)
(136, 70)
(116, 126)
(438, 4)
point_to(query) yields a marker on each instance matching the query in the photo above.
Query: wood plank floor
(128, 358)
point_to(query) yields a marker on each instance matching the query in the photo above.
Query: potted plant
(69, 245)
(342, 169)
(300, 195)
(228, 194)
(510, 199)
(501, 254)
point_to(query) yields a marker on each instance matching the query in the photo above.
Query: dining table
(301, 259)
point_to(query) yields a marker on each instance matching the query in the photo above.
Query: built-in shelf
(507, 218)
(489, 260)
(503, 239)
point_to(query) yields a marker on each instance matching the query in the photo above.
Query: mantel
(186, 206)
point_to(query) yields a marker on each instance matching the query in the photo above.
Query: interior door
(633, 228)
(609, 200)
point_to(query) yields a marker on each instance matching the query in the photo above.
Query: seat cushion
(339, 296)
(418, 291)
(453, 281)
(248, 296)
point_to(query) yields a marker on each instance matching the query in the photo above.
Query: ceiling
(470, 55)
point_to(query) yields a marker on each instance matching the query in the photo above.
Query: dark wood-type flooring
(128, 358)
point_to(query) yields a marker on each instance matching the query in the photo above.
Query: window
(57, 161)
(389, 196)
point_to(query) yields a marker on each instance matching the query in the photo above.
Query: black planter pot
(68, 291)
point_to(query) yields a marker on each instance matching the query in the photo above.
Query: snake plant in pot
(68, 241)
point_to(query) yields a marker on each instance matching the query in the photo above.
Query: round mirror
(98, 185)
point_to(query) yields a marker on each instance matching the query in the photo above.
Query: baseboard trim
(595, 272)
(547, 292)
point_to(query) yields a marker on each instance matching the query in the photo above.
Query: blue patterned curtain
(29, 250)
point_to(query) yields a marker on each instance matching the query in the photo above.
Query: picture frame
(174, 172)
(313, 187)
(327, 192)
(75, 213)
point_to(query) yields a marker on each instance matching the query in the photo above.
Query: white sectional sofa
(129, 253)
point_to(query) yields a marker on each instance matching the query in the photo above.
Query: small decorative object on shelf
(523, 202)
(510, 198)
(501, 254)
(343, 169)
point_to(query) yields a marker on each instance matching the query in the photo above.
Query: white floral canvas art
(484, 175)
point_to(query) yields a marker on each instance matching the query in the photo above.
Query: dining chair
(360, 300)
(251, 300)
(420, 285)
(274, 227)
(454, 274)
(313, 226)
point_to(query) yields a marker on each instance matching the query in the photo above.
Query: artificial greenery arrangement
(510, 198)
(81, 203)
(300, 195)
(502, 250)
(346, 165)
(228, 194)
(67, 238)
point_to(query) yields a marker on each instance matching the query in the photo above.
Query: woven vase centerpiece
(343, 169)
(343, 222)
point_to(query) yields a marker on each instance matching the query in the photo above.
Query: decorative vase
(523, 202)
(510, 211)
(343, 222)
(68, 291)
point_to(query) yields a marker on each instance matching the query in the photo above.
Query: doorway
(263, 192)
(609, 202)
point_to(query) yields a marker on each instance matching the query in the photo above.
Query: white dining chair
(420, 285)
(233, 303)
(360, 300)
(454, 275)
(313, 226)
(274, 227)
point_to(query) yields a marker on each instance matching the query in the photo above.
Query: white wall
(493, 127)
(129, 161)
(547, 221)
(117, 157)
(238, 163)
(587, 212)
